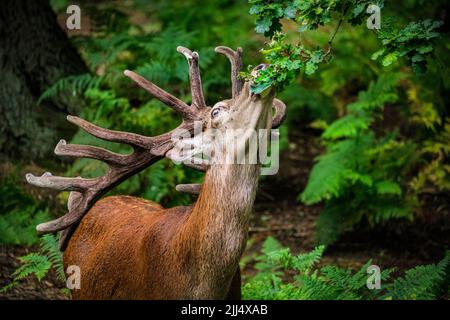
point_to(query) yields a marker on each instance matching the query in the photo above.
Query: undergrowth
(284, 276)
(19, 214)
(38, 264)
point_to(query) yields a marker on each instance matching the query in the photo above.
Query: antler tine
(235, 58)
(190, 188)
(73, 150)
(111, 135)
(280, 113)
(198, 100)
(63, 222)
(47, 180)
(161, 94)
(197, 166)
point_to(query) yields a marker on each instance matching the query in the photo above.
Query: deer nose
(259, 68)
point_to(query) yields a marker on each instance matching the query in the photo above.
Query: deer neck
(215, 233)
(224, 206)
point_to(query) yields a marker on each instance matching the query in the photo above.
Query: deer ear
(280, 113)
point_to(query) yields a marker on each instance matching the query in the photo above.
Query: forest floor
(398, 244)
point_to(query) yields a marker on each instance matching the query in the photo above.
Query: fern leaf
(329, 177)
(50, 247)
(304, 262)
(33, 263)
(76, 84)
(388, 187)
(346, 127)
(420, 283)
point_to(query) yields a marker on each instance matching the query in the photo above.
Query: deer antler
(237, 83)
(198, 101)
(146, 151)
(235, 58)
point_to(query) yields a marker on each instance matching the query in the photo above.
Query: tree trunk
(34, 54)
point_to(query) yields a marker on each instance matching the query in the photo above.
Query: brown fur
(130, 248)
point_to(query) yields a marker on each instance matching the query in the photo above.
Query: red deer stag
(131, 248)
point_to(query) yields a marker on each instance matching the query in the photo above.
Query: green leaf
(418, 58)
(378, 54)
(290, 11)
(260, 87)
(390, 58)
(284, 276)
(256, 9)
(354, 177)
(263, 25)
(425, 49)
(270, 245)
(358, 9)
(304, 262)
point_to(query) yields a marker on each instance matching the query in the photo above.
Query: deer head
(225, 132)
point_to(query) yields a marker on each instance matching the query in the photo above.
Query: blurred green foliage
(19, 214)
(372, 170)
(360, 175)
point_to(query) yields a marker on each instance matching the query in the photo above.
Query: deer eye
(215, 112)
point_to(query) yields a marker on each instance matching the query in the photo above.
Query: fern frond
(270, 245)
(335, 283)
(39, 263)
(75, 84)
(50, 248)
(329, 177)
(421, 283)
(346, 127)
(315, 288)
(378, 93)
(387, 187)
(32, 263)
(162, 44)
(305, 262)
(383, 209)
